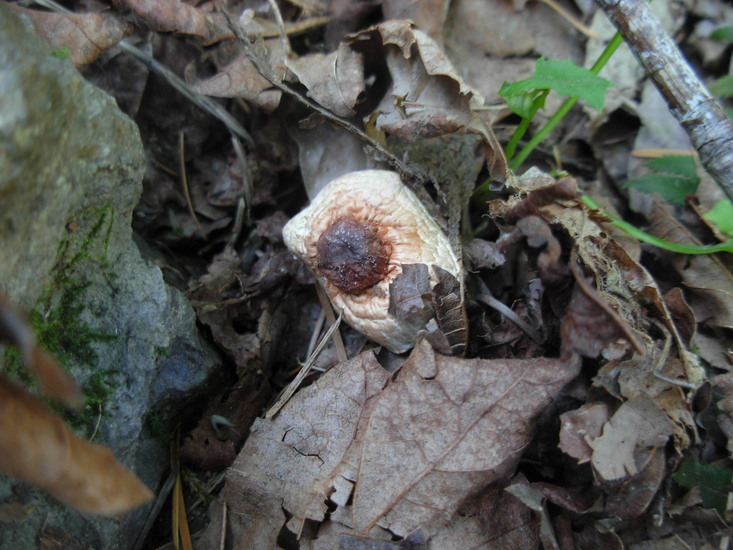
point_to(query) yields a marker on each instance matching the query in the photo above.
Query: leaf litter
(515, 445)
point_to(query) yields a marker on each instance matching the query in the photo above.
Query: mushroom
(356, 236)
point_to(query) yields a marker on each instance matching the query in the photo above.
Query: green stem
(609, 50)
(634, 231)
(542, 134)
(518, 134)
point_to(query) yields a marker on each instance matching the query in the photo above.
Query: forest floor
(592, 406)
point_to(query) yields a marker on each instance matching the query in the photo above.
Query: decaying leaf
(334, 80)
(310, 438)
(442, 422)
(461, 422)
(86, 35)
(37, 447)
(427, 97)
(638, 424)
(581, 426)
(178, 17)
(240, 78)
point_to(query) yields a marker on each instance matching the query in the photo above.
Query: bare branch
(710, 130)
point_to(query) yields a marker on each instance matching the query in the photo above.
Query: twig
(565, 14)
(298, 380)
(338, 342)
(709, 129)
(184, 182)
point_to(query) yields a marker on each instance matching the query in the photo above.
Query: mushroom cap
(409, 233)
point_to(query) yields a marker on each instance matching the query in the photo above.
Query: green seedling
(674, 178)
(527, 96)
(713, 482)
(62, 52)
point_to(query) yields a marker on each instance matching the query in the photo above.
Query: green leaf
(62, 52)
(521, 103)
(674, 179)
(723, 33)
(565, 78)
(722, 216)
(722, 87)
(682, 165)
(713, 482)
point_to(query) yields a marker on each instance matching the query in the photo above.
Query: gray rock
(71, 169)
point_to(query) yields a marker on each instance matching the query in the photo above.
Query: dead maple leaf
(37, 447)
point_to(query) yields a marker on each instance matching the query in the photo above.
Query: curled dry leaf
(427, 96)
(334, 80)
(87, 35)
(36, 446)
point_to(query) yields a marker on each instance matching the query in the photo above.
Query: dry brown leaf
(706, 275)
(496, 519)
(87, 35)
(633, 496)
(427, 97)
(429, 16)
(581, 426)
(638, 424)
(445, 423)
(288, 463)
(37, 447)
(334, 80)
(178, 17)
(462, 423)
(240, 78)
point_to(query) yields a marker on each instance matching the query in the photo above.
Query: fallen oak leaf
(37, 447)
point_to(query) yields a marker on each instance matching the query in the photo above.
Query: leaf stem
(518, 134)
(634, 231)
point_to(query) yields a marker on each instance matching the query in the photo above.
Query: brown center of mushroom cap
(352, 255)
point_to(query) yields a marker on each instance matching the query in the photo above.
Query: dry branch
(710, 130)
